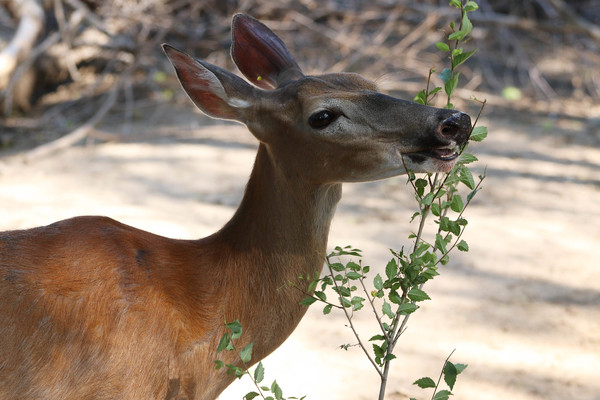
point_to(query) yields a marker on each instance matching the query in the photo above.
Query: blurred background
(93, 121)
(61, 62)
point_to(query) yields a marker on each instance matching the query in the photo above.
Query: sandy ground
(522, 308)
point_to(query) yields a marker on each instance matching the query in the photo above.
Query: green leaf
(436, 209)
(236, 329)
(421, 248)
(467, 26)
(338, 267)
(234, 370)
(448, 225)
(462, 57)
(466, 177)
(219, 364)
(442, 395)
(479, 133)
(389, 357)
(246, 353)
(378, 282)
(471, 6)
(345, 302)
(308, 301)
(429, 273)
(416, 294)
(321, 295)
(395, 297)
(407, 308)
(276, 390)
(463, 246)
(259, 373)
(386, 308)
(353, 275)
(353, 266)
(377, 337)
(472, 194)
(443, 46)
(446, 75)
(464, 31)
(251, 395)
(440, 243)
(327, 309)
(224, 342)
(391, 269)
(421, 184)
(415, 215)
(434, 91)
(420, 97)
(456, 204)
(466, 158)
(428, 199)
(460, 367)
(378, 351)
(451, 84)
(455, 3)
(424, 383)
(357, 303)
(450, 373)
(313, 285)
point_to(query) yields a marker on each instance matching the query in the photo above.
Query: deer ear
(215, 91)
(260, 55)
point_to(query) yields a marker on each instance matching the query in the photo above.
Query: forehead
(335, 82)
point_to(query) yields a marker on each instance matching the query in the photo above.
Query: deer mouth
(446, 153)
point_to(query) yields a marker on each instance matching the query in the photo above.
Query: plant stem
(441, 374)
(349, 318)
(377, 317)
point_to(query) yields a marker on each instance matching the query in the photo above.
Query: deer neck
(282, 215)
(278, 234)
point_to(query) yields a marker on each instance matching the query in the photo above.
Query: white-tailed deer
(91, 308)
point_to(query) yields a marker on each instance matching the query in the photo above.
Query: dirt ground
(522, 308)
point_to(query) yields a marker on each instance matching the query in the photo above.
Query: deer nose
(457, 127)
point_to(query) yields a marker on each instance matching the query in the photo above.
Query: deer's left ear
(260, 55)
(216, 92)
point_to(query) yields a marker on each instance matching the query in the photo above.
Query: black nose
(457, 127)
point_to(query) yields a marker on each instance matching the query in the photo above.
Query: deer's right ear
(215, 91)
(260, 55)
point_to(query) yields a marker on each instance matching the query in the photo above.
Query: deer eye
(322, 118)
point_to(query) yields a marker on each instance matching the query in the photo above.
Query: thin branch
(370, 299)
(349, 318)
(24, 66)
(79, 133)
(441, 374)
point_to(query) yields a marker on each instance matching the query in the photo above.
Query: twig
(79, 133)
(30, 25)
(66, 33)
(590, 28)
(377, 317)
(24, 66)
(349, 318)
(441, 374)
